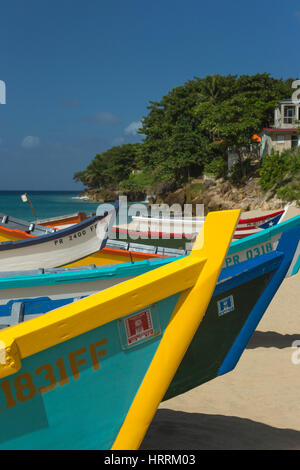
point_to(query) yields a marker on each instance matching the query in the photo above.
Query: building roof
(279, 130)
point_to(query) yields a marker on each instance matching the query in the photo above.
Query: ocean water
(45, 203)
(51, 204)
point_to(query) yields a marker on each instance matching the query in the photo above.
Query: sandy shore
(256, 406)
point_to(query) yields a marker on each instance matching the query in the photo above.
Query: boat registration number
(46, 377)
(248, 254)
(74, 236)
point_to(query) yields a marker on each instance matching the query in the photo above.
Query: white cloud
(30, 142)
(133, 128)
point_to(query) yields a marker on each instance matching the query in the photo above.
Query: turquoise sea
(50, 204)
(45, 203)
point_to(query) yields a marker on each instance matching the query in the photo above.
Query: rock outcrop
(219, 194)
(215, 194)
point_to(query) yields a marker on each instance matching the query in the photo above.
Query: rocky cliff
(215, 194)
(219, 194)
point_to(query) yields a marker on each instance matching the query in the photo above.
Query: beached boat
(244, 249)
(91, 374)
(118, 251)
(57, 248)
(38, 291)
(176, 228)
(124, 244)
(241, 296)
(32, 293)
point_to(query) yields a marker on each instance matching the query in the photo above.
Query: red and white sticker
(139, 326)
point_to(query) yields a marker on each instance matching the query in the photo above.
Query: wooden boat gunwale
(47, 331)
(63, 218)
(141, 410)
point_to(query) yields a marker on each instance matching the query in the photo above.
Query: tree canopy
(109, 168)
(190, 127)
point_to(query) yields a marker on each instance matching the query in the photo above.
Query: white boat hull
(59, 249)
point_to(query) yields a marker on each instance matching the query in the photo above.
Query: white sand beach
(256, 406)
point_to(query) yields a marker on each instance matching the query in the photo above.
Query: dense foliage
(189, 130)
(109, 168)
(281, 171)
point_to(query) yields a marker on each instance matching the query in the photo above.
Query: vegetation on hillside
(189, 131)
(109, 168)
(281, 171)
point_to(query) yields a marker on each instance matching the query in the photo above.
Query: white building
(284, 135)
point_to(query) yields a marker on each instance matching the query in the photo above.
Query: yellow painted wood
(6, 236)
(110, 256)
(71, 320)
(189, 311)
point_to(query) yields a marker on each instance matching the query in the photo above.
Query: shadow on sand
(178, 430)
(271, 339)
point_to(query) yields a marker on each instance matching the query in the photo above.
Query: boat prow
(91, 374)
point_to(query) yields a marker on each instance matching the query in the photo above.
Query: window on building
(280, 139)
(289, 114)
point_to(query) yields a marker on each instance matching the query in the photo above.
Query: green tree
(109, 168)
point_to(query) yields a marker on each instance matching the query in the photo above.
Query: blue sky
(79, 74)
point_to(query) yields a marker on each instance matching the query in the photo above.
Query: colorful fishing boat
(244, 249)
(46, 289)
(185, 228)
(172, 233)
(241, 296)
(57, 248)
(119, 251)
(91, 374)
